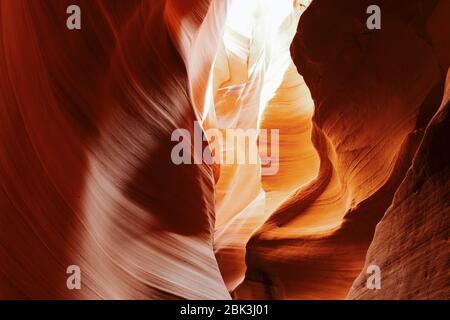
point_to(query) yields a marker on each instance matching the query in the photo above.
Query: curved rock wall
(87, 178)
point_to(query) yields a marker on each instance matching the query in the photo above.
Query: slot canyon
(362, 158)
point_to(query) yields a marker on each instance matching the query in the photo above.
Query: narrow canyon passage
(348, 160)
(366, 130)
(224, 149)
(257, 86)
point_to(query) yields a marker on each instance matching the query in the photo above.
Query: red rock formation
(411, 242)
(374, 93)
(87, 179)
(86, 175)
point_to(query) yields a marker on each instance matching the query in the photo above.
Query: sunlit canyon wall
(87, 179)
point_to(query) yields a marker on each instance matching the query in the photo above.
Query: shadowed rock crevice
(374, 94)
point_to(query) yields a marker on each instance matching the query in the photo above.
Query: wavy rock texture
(411, 242)
(253, 76)
(87, 178)
(374, 93)
(85, 161)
